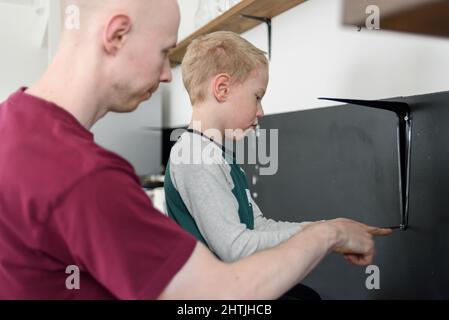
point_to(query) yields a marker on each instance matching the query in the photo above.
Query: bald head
(94, 14)
(123, 44)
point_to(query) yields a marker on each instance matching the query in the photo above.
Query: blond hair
(215, 53)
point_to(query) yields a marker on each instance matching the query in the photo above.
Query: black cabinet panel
(343, 162)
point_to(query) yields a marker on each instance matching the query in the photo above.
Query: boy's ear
(222, 86)
(115, 33)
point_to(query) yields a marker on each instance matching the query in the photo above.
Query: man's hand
(355, 240)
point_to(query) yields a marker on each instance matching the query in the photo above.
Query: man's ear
(115, 33)
(222, 86)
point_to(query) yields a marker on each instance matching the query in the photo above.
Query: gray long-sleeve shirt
(206, 190)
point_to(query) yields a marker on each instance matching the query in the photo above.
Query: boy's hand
(355, 240)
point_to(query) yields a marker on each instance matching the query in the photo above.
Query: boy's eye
(258, 98)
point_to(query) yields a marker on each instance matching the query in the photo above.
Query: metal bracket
(268, 23)
(404, 134)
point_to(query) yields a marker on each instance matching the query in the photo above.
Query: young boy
(206, 190)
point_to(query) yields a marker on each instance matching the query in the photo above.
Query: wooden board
(232, 20)
(427, 17)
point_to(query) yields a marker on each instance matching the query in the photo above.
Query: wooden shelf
(232, 20)
(427, 17)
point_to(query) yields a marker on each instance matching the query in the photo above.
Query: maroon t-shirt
(65, 201)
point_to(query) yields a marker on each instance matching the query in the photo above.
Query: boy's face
(244, 107)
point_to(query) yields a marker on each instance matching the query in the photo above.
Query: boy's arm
(205, 277)
(209, 199)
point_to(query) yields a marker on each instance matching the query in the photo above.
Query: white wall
(20, 65)
(135, 136)
(22, 57)
(188, 9)
(175, 109)
(315, 56)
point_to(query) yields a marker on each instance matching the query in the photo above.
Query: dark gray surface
(342, 162)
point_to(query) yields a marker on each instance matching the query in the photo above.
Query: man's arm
(268, 274)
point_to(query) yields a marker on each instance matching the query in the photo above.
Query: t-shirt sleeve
(116, 236)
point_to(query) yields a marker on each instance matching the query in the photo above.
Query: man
(66, 202)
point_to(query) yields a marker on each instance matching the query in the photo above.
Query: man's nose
(260, 112)
(166, 75)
